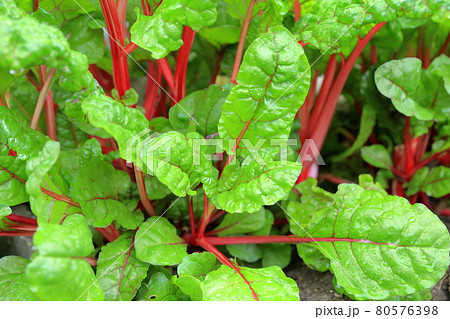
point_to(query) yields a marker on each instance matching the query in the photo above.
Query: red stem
(324, 90)
(140, 182)
(130, 47)
(22, 219)
(240, 48)
(323, 123)
(373, 55)
(408, 158)
(297, 10)
(217, 69)
(152, 89)
(334, 179)
(207, 213)
(35, 5)
(182, 63)
(306, 108)
(445, 45)
(25, 233)
(167, 73)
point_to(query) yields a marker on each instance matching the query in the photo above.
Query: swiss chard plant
(157, 144)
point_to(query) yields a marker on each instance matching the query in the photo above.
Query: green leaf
(441, 67)
(242, 223)
(178, 161)
(415, 183)
(382, 245)
(437, 182)
(366, 126)
(399, 80)
(98, 188)
(85, 39)
(197, 265)
(5, 211)
(65, 10)
(202, 106)
(225, 30)
(119, 272)
(157, 243)
(17, 135)
(12, 175)
(366, 182)
(69, 135)
(161, 32)
(159, 288)
(192, 272)
(377, 155)
(246, 252)
(249, 187)
(156, 35)
(272, 84)
(13, 283)
(61, 248)
(268, 284)
(191, 13)
(125, 124)
(276, 255)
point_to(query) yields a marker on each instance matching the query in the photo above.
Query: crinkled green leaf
(377, 155)
(366, 126)
(379, 245)
(159, 288)
(156, 35)
(242, 223)
(13, 283)
(12, 175)
(191, 13)
(69, 135)
(202, 106)
(272, 84)
(123, 123)
(17, 135)
(157, 243)
(64, 10)
(98, 187)
(178, 161)
(60, 263)
(161, 32)
(400, 81)
(246, 188)
(268, 284)
(119, 272)
(267, 18)
(366, 181)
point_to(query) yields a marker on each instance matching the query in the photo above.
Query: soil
(313, 285)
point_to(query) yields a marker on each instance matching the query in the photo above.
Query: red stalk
(272, 239)
(152, 89)
(167, 73)
(324, 90)
(35, 5)
(130, 47)
(25, 233)
(41, 100)
(373, 55)
(50, 116)
(297, 10)
(122, 13)
(22, 219)
(182, 63)
(334, 179)
(304, 113)
(445, 45)
(207, 213)
(240, 48)
(217, 69)
(323, 123)
(408, 158)
(445, 212)
(140, 182)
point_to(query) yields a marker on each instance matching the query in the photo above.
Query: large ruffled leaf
(246, 188)
(119, 272)
(13, 283)
(157, 243)
(265, 284)
(272, 84)
(180, 162)
(379, 245)
(61, 250)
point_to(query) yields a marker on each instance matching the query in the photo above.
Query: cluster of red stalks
(165, 86)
